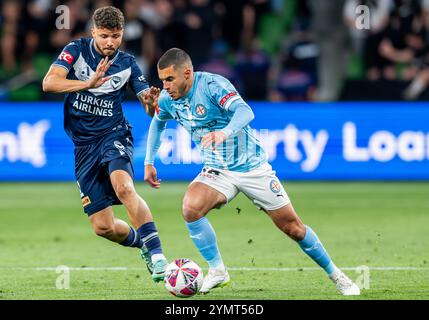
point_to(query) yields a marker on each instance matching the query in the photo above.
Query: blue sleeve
(243, 114)
(222, 92)
(154, 139)
(137, 81)
(68, 56)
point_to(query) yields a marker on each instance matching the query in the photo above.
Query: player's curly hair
(109, 17)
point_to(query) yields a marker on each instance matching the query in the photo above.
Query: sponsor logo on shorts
(275, 186)
(209, 173)
(86, 201)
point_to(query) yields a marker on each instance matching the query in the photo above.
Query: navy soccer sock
(149, 235)
(132, 240)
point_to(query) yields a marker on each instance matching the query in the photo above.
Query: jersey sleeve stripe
(226, 98)
(60, 65)
(228, 103)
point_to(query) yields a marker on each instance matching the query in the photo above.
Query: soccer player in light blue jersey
(212, 111)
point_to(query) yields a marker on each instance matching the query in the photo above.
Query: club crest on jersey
(275, 186)
(200, 111)
(116, 81)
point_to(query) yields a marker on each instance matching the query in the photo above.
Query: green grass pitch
(383, 226)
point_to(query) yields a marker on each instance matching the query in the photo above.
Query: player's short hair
(174, 57)
(109, 17)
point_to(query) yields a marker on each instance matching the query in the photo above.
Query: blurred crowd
(276, 50)
(396, 45)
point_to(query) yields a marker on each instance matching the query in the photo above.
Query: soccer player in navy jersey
(209, 107)
(94, 75)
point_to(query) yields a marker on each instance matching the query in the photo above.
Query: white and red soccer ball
(183, 278)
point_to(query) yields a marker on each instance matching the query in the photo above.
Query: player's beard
(103, 51)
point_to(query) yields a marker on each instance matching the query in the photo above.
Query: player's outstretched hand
(150, 100)
(150, 176)
(98, 78)
(213, 139)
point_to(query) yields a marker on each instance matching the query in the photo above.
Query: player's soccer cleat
(144, 252)
(159, 270)
(344, 284)
(215, 279)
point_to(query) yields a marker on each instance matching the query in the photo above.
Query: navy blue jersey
(92, 113)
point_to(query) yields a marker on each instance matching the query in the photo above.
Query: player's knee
(191, 210)
(125, 191)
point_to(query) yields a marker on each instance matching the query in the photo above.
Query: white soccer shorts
(261, 185)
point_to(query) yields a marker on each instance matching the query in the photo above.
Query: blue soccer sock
(149, 235)
(312, 246)
(132, 240)
(204, 238)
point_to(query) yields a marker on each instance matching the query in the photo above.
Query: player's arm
(242, 115)
(148, 96)
(227, 98)
(56, 79)
(156, 129)
(149, 99)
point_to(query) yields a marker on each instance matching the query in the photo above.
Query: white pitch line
(230, 268)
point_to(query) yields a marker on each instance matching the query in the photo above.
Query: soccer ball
(183, 278)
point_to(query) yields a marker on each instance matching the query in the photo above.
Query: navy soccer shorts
(95, 162)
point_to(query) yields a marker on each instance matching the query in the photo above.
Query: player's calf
(104, 231)
(198, 200)
(106, 226)
(288, 221)
(294, 229)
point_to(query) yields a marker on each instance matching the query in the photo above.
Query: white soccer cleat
(216, 278)
(344, 284)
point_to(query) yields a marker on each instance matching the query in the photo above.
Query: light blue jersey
(206, 108)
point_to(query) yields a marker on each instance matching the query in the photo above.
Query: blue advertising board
(304, 141)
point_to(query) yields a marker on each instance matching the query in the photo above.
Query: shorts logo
(201, 111)
(86, 201)
(66, 56)
(116, 81)
(275, 186)
(120, 147)
(209, 173)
